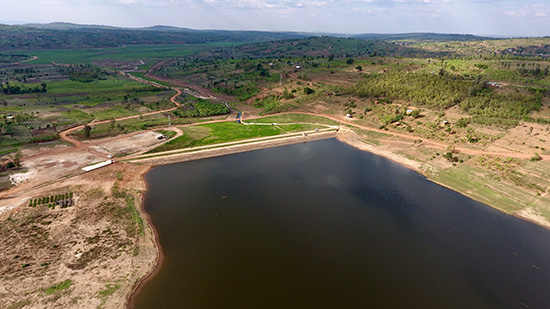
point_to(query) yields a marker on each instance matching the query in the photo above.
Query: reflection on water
(325, 225)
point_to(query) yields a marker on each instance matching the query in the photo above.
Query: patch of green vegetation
(445, 90)
(242, 93)
(112, 83)
(7, 151)
(113, 128)
(168, 134)
(197, 107)
(19, 304)
(78, 116)
(271, 104)
(485, 187)
(58, 287)
(295, 118)
(86, 73)
(498, 164)
(143, 76)
(228, 131)
(114, 111)
(219, 133)
(136, 218)
(110, 289)
(146, 52)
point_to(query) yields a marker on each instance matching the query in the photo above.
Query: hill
(420, 36)
(71, 36)
(324, 46)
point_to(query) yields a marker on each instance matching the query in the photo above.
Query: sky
(480, 17)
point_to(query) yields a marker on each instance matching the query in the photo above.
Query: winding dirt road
(412, 138)
(65, 135)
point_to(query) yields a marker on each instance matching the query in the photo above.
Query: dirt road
(431, 143)
(65, 135)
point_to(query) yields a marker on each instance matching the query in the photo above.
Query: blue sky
(485, 17)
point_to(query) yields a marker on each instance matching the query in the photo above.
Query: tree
(449, 156)
(359, 68)
(536, 157)
(308, 90)
(17, 158)
(349, 60)
(87, 130)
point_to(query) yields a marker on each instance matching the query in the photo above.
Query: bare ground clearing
(90, 255)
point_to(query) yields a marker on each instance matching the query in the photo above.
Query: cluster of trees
(148, 89)
(10, 58)
(323, 47)
(532, 50)
(14, 163)
(271, 104)
(6, 88)
(501, 106)
(241, 92)
(201, 108)
(442, 91)
(424, 89)
(24, 70)
(86, 73)
(18, 118)
(534, 71)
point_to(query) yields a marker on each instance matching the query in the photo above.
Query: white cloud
(534, 10)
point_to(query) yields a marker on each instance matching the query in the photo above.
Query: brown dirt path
(430, 143)
(65, 135)
(202, 92)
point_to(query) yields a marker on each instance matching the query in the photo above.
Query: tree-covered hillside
(419, 37)
(323, 47)
(68, 36)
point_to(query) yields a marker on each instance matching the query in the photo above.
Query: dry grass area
(526, 138)
(90, 255)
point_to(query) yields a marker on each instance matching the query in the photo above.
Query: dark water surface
(323, 225)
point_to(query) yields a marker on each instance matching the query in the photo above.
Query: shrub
(536, 157)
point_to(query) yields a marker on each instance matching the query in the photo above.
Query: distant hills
(67, 35)
(428, 37)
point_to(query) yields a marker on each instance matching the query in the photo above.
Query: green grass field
(294, 118)
(129, 53)
(108, 85)
(223, 132)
